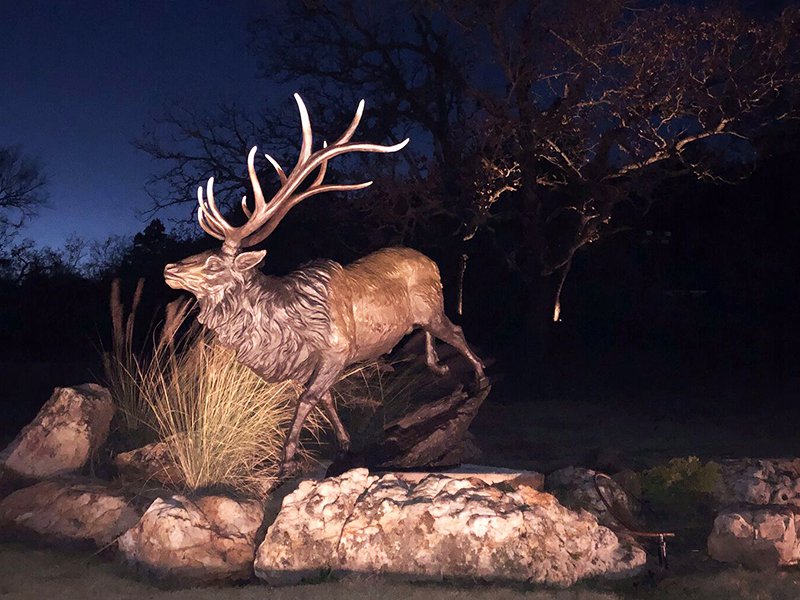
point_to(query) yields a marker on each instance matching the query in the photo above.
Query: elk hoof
(289, 469)
(438, 369)
(481, 382)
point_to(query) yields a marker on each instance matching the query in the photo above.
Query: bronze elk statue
(310, 325)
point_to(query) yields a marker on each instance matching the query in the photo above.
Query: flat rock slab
(207, 539)
(60, 512)
(69, 428)
(756, 536)
(439, 526)
(487, 474)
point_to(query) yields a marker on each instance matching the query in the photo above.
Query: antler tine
(278, 169)
(257, 193)
(212, 213)
(323, 168)
(207, 228)
(245, 209)
(344, 138)
(351, 129)
(305, 123)
(207, 214)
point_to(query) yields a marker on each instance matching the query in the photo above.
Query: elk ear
(248, 260)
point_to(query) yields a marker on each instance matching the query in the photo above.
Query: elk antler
(265, 216)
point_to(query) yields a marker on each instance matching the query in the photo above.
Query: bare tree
(104, 257)
(552, 117)
(21, 191)
(601, 102)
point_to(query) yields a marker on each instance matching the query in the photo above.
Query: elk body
(310, 325)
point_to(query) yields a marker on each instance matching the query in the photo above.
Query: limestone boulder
(761, 481)
(152, 463)
(435, 527)
(760, 537)
(204, 540)
(64, 511)
(69, 428)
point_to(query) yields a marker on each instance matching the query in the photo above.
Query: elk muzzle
(172, 276)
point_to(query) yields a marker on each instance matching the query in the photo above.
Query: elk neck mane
(275, 324)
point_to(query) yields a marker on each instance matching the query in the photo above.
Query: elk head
(211, 274)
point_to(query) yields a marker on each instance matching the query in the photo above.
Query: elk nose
(170, 269)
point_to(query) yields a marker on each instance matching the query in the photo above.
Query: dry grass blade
(122, 365)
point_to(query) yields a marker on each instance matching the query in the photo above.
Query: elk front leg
(305, 405)
(319, 385)
(342, 438)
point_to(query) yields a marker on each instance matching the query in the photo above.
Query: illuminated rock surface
(67, 511)
(761, 481)
(207, 539)
(758, 537)
(148, 464)
(437, 527)
(68, 429)
(758, 526)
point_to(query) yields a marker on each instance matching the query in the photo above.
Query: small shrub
(684, 491)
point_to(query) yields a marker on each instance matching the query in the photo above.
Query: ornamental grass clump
(223, 424)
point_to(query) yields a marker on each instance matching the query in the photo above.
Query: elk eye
(214, 264)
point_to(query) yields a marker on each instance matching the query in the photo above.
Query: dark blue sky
(80, 79)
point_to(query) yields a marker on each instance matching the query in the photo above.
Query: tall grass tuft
(122, 363)
(224, 426)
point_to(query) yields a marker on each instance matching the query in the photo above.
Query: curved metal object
(623, 518)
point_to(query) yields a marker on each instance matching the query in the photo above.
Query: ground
(544, 435)
(32, 574)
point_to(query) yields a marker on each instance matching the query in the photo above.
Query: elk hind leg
(431, 357)
(445, 330)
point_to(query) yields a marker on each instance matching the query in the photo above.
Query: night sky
(81, 79)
